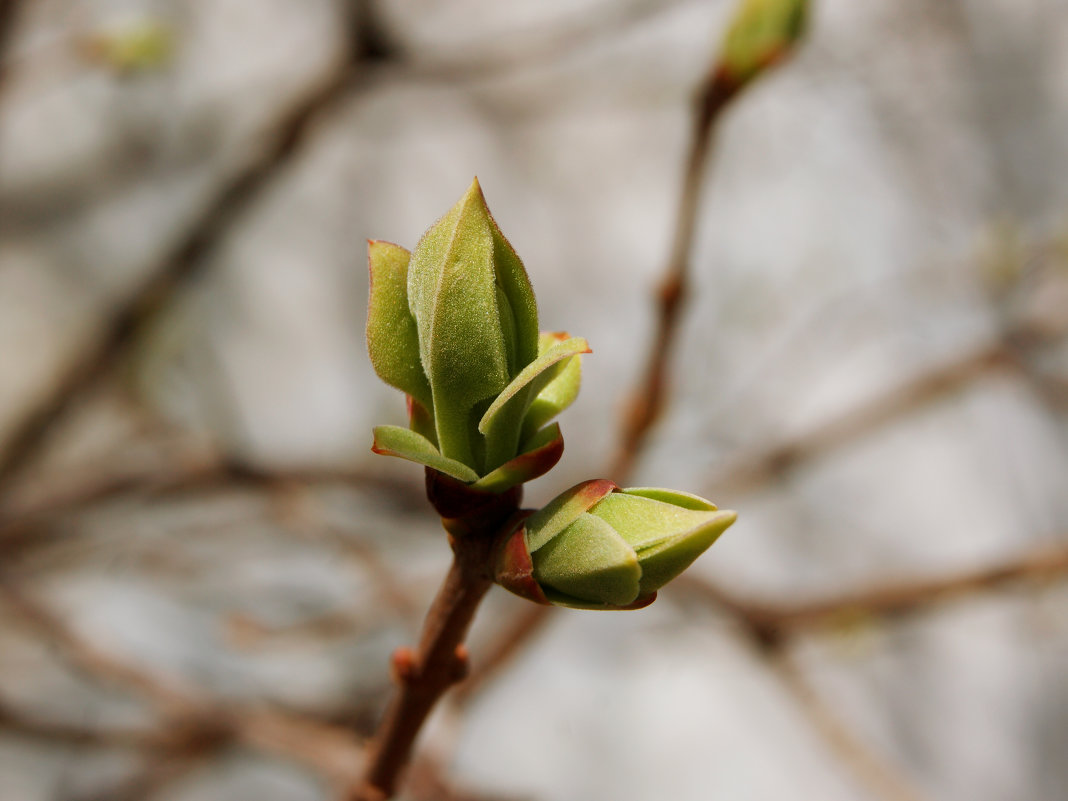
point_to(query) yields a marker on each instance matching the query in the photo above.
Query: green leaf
(407, 444)
(514, 285)
(676, 497)
(533, 374)
(559, 393)
(392, 341)
(563, 510)
(502, 422)
(761, 33)
(668, 558)
(474, 309)
(590, 561)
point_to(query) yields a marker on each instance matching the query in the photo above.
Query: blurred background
(203, 567)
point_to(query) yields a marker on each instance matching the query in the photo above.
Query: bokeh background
(204, 568)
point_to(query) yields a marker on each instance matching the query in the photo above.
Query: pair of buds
(454, 325)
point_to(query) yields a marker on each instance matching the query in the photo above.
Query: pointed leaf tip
(407, 444)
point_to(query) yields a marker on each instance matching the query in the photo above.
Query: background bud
(761, 33)
(601, 547)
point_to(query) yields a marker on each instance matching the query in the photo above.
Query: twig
(178, 268)
(9, 12)
(869, 769)
(331, 750)
(424, 676)
(771, 622)
(24, 515)
(16, 722)
(520, 630)
(147, 782)
(647, 401)
(753, 470)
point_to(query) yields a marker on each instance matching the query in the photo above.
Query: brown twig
(423, 677)
(647, 401)
(14, 721)
(878, 776)
(753, 470)
(9, 12)
(29, 512)
(147, 782)
(199, 721)
(519, 631)
(770, 623)
(178, 268)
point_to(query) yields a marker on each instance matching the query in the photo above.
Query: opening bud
(598, 546)
(454, 325)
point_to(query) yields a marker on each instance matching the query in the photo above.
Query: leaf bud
(454, 325)
(598, 546)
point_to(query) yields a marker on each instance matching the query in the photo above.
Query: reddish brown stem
(646, 403)
(424, 676)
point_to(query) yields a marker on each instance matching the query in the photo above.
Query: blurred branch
(755, 469)
(516, 634)
(14, 721)
(143, 784)
(537, 46)
(184, 263)
(647, 400)
(191, 474)
(202, 722)
(759, 37)
(9, 12)
(882, 780)
(769, 623)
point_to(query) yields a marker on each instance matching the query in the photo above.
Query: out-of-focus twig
(647, 401)
(742, 57)
(197, 474)
(754, 469)
(176, 270)
(201, 722)
(147, 782)
(771, 623)
(520, 630)
(9, 12)
(536, 46)
(14, 721)
(870, 770)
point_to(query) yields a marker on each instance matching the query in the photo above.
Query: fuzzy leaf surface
(392, 340)
(407, 444)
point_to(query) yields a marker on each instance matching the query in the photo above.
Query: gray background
(890, 200)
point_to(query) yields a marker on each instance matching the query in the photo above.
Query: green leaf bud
(476, 318)
(454, 325)
(597, 546)
(761, 33)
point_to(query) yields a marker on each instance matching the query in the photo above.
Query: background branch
(183, 264)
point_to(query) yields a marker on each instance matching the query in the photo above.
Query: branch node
(405, 668)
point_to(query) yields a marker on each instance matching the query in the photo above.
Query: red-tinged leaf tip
(594, 490)
(526, 467)
(538, 461)
(640, 603)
